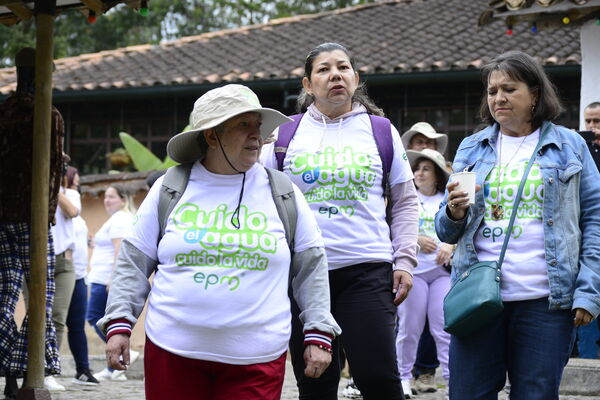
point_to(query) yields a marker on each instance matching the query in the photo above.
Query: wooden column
(34, 384)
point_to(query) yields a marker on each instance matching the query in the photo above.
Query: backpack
(176, 180)
(382, 133)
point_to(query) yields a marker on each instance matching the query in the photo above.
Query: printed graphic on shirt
(334, 175)
(503, 193)
(427, 223)
(221, 243)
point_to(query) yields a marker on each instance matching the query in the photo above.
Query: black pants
(362, 304)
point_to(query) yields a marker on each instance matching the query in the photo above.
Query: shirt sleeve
(400, 171)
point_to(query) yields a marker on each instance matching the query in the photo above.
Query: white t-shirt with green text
(338, 168)
(524, 270)
(221, 293)
(428, 207)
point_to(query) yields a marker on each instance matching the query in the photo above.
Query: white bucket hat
(427, 130)
(215, 107)
(434, 156)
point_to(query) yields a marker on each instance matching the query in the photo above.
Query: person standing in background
(78, 307)
(107, 243)
(419, 137)
(69, 206)
(591, 117)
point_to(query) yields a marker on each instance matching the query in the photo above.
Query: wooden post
(34, 383)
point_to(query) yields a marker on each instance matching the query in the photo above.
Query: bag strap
(286, 133)
(519, 193)
(285, 202)
(173, 185)
(382, 133)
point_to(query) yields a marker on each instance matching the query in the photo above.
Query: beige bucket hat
(215, 107)
(425, 129)
(434, 156)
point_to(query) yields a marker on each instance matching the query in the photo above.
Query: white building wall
(590, 66)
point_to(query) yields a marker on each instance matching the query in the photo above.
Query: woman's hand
(458, 201)
(426, 244)
(401, 286)
(582, 317)
(117, 351)
(316, 360)
(444, 254)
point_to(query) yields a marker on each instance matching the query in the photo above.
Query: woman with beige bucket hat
(218, 319)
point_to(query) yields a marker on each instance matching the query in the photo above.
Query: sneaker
(407, 389)
(351, 391)
(52, 385)
(85, 378)
(103, 375)
(425, 383)
(118, 375)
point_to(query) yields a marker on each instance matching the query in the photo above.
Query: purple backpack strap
(286, 133)
(382, 132)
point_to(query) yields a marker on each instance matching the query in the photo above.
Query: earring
(533, 108)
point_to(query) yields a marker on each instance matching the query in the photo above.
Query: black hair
(522, 67)
(360, 94)
(594, 104)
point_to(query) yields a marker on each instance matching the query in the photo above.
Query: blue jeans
(97, 306)
(427, 360)
(76, 326)
(526, 340)
(588, 341)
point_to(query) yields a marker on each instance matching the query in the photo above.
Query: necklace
(497, 209)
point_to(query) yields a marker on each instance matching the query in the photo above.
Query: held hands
(582, 317)
(444, 254)
(117, 351)
(458, 201)
(426, 244)
(316, 360)
(401, 286)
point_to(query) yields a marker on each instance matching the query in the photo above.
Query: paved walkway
(133, 389)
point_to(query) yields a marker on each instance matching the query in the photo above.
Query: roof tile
(386, 37)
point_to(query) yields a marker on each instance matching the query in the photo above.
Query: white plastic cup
(466, 183)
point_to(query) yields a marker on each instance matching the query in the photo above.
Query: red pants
(169, 377)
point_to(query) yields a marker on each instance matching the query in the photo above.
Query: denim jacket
(571, 213)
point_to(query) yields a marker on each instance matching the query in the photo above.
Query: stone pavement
(133, 389)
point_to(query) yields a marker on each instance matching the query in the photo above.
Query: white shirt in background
(102, 262)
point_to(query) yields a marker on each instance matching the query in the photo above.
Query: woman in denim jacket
(551, 272)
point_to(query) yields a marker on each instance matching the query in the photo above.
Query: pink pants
(424, 301)
(169, 376)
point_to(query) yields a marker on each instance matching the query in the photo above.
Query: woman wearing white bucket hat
(422, 136)
(218, 320)
(431, 279)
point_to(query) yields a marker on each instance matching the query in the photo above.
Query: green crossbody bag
(474, 300)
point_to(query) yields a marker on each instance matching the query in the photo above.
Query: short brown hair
(522, 67)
